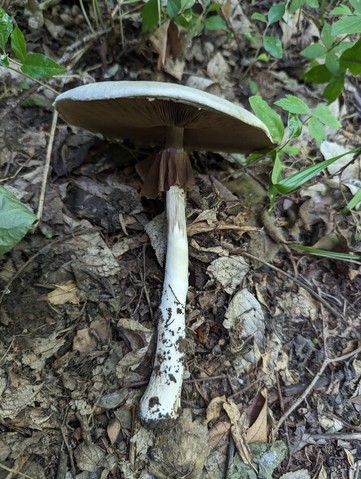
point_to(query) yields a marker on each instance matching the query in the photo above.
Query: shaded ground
(81, 292)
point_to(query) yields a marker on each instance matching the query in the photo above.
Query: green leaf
(351, 59)
(317, 130)
(313, 3)
(269, 117)
(214, 7)
(324, 114)
(4, 61)
(333, 64)
(273, 46)
(15, 220)
(263, 57)
(276, 12)
(276, 170)
(18, 44)
(334, 88)
(294, 126)
(6, 27)
(259, 16)
(37, 65)
(253, 86)
(315, 50)
(355, 258)
(293, 104)
(347, 25)
(356, 5)
(352, 203)
(188, 4)
(326, 36)
(318, 74)
(292, 182)
(341, 10)
(215, 23)
(151, 15)
(291, 150)
(295, 5)
(342, 46)
(177, 7)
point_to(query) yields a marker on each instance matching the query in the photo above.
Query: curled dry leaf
(113, 430)
(239, 425)
(258, 430)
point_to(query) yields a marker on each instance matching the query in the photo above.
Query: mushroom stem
(161, 399)
(174, 137)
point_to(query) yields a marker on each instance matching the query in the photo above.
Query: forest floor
(273, 384)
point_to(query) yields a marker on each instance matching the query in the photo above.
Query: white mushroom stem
(161, 400)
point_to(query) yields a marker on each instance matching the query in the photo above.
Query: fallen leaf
(84, 341)
(89, 457)
(258, 431)
(229, 271)
(238, 429)
(113, 430)
(66, 292)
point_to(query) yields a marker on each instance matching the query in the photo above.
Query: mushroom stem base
(161, 399)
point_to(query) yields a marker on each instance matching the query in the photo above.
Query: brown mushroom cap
(143, 111)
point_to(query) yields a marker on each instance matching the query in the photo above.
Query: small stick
(47, 166)
(330, 436)
(312, 384)
(297, 281)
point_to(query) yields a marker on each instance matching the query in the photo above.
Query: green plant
(299, 115)
(183, 13)
(272, 44)
(337, 52)
(15, 220)
(32, 65)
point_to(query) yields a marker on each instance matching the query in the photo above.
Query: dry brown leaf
(113, 430)
(258, 430)
(218, 436)
(89, 457)
(66, 292)
(168, 43)
(238, 430)
(159, 40)
(228, 271)
(214, 408)
(84, 341)
(215, 249)
(101, 328)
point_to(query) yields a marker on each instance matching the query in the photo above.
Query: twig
(69, 449)
(296, 280)
(312, 384)
(13, 471)
(47, 166)
(331, 436)
(40, 252)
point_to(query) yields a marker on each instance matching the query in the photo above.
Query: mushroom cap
(142, 111)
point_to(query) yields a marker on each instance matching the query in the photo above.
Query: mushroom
(177, 118)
